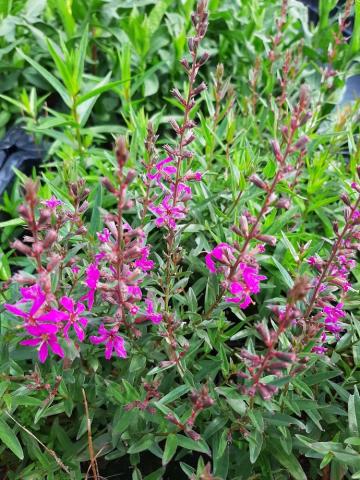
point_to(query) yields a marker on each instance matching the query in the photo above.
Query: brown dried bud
(304, 97)
(286, 356)
(31, 189)
(83, 207)
(203, 59)
(121, 152)
(84, 194)
(300, 289)
(190, 138)
(266, 391)
(185, 64)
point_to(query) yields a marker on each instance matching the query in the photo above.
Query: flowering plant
(193, 313)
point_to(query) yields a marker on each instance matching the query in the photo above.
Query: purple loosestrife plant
(182, 317)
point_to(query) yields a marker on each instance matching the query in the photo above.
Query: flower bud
(176, 93)
(264, 333)
(203, 59)
(301, 143)
(21, 247)
(283, 203)
(83, 207)
(344, 197)
(45, 214)
(108, 185)
(130, 176)
(198, 89)
(50, 238)
(244, 226)
(256, 180)
(24, 212)
(269, 239)
(185, 64)
(276, 149)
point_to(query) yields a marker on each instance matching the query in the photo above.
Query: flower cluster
(332, 282)
(114, 277)
(46, 323)
(241, 277)
(168, 174)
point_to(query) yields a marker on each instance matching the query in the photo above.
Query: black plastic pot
(17, 149)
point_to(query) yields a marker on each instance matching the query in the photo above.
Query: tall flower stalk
(249, 226)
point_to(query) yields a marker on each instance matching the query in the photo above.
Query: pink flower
(104, 236)
(150, 312)
(319, 349)
(92, 278)
(44, 337)
(243, 301)
(242, 282)
(167, 214)
(162, 169)
(35, 315)
(73, 319)
(75, 269)
(333, 315)
(251, 278)
(112, 340)
(222, 253)
(209, 262)
(312, 261)
(135, 292)
(143, 262)
(52, 203)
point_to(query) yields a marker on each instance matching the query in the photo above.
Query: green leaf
(85, 108)
(170, 448)
(189, 444)
(100, 89)
(174, 394)
(255, 445)
(49, 77)
(14, 222)
(286, 277)
(143, 444)
(95, 222)
(354, 413)
(8, 437)
(288, 461)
